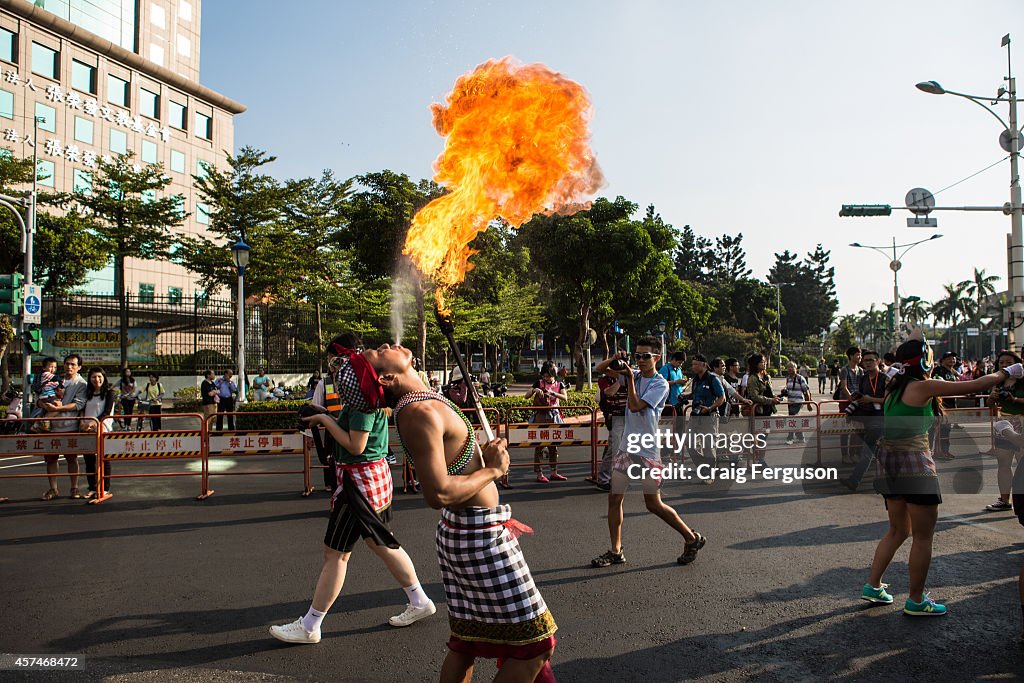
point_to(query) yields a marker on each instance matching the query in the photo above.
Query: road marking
(981, 525)
(23, 464)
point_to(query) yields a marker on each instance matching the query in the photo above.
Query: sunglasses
(644, 356)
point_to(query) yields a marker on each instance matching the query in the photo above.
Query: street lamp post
(664, 351)
(895, 264)
(778, 315)
(1010, 141)
(240, 253)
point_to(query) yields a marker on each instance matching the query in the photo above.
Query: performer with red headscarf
(361, 505)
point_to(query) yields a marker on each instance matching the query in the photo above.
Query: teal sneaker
(877, 595)
(925, 608)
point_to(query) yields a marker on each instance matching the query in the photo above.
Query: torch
(444, 321)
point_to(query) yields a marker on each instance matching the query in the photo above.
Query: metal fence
(173, 335)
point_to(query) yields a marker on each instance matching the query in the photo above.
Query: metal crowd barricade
(159, 444)
(240, 443)
(539, 435)
(31, 444)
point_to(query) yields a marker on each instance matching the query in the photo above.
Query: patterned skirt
(901, 472)
(491, 595)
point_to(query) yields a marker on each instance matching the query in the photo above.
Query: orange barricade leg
(307, 481)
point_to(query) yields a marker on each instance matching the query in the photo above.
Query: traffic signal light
(862, 210)
(34, 340)
(10, 293)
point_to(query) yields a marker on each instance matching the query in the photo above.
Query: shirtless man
(476, 538)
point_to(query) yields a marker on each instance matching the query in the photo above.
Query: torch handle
(468, 379)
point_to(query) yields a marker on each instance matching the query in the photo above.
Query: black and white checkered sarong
(490, 592)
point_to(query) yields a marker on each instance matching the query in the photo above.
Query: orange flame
(517, 144)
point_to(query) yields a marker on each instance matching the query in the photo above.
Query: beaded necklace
(467, 451)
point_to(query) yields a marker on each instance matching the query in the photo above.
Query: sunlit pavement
(153, 585)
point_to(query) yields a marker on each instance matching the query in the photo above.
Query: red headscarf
(357, 380)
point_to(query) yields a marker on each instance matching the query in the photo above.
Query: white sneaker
(789, 442)
(1002, 426)
(412, 614)
(295, 632)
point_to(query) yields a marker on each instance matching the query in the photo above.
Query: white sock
(314, 617)
(417, 597)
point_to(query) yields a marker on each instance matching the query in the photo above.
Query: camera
(1005, 395)
(618, 365)
(852, 407)
(308, 410)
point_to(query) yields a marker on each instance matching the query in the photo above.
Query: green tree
(609, 250)
(952, 307)
(244, 203)
(807, 291)
(130, 219)
(379, 217)
(845, 334)
(693, 256)
(729, 260)
(980, 286)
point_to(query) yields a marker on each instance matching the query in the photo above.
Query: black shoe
(604, 487)
(608, 559)
(690, 549)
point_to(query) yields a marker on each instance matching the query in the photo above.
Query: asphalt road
(155, 586)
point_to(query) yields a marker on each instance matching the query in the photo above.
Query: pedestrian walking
(868, 413)
(361, 504)
(798, 395)
(759, 392)
(849, 390)
(208, 397)
(833, 376)
(494, 607)
(905, 471)
(822, 375)
(647, 393)
(1007, 401)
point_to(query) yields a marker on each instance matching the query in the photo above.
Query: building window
(179, 205)
(185, 11)
(177, 115)
(117, 90)
(184, 46)
(6, 104)
(156, 54)
(201, 168)
(177, 161)
(118, 142)
(149, 152)
(83, 77)
(83, 130)
(44, 61)
(174, 296)
(204, 126)
(44, 172)
(8, 46)
(48, 115)
(149, 103)
(83, 182)
(158, 16)
(146, 292)
(202, 213)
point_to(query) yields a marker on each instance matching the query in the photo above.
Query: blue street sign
(32, 305)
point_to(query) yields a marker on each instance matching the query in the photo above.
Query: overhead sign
(920, 201)
(972, 331)
(32, 296)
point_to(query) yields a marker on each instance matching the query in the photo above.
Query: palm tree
(951, 308)
(979, 287)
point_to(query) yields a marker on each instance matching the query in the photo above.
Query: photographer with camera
(866, 408)
(798, 394)
(946, 372)
(637, 456)
(1007, 399)
(707, 394)
(847, 391)
(673, 373)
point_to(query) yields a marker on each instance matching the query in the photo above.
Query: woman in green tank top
(905, 474)
(1007, 400)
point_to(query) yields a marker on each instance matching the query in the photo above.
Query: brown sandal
(52, 494)
(75, 495)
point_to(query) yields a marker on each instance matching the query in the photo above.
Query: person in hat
(905, 470)
(361, 504)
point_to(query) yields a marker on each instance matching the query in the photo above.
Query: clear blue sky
(753, 117)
